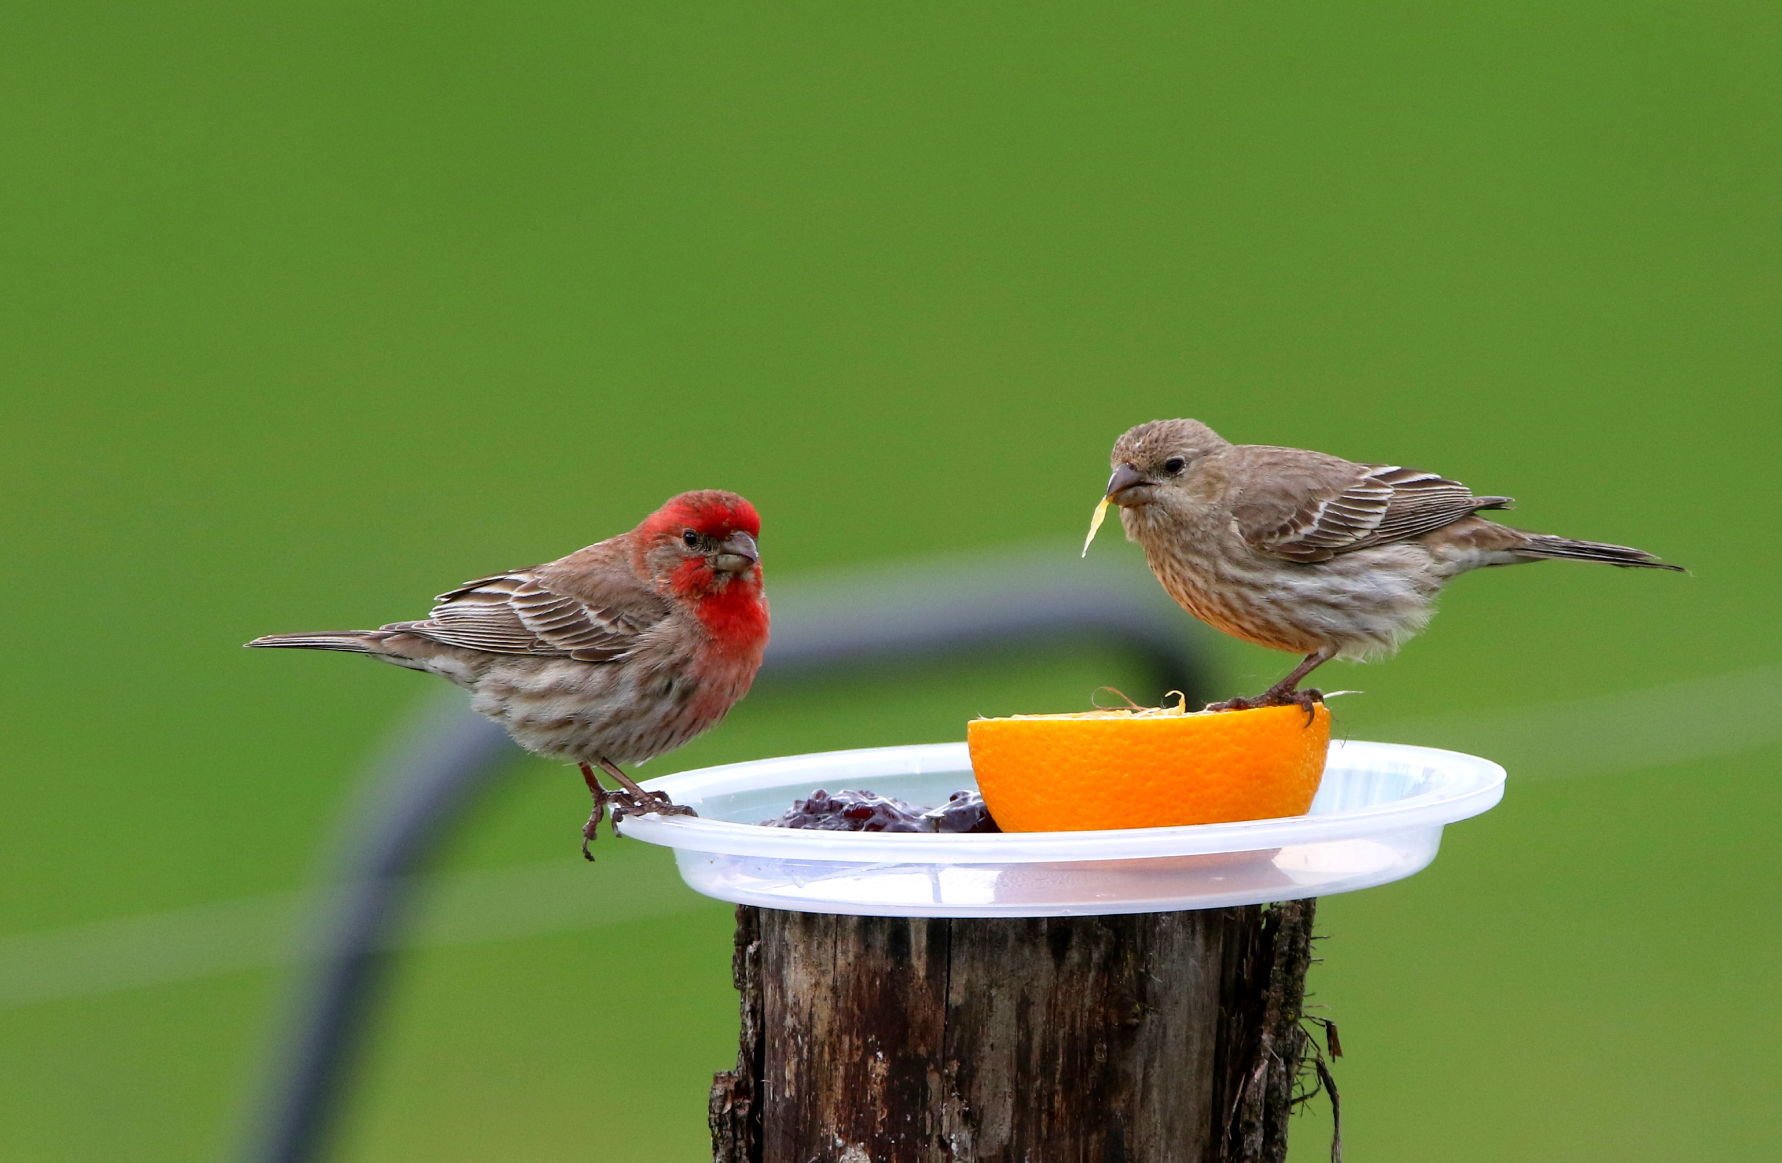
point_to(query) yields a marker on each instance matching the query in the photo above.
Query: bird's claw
(651, 801)
(1306, 700)
(626, 804)
(624, 801)
(1274, 697)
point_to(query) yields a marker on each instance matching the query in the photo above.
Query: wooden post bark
(1138, 1038)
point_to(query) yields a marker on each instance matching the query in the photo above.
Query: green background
(316, 310)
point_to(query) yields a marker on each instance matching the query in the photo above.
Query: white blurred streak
(1698, 719)
(1720, 716)
(280, 929)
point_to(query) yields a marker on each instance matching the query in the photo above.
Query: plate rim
(1474, 785)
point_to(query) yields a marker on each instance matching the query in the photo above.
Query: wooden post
(1139, 1038)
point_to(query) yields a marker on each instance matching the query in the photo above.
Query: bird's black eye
(690, 539)
(1174, 466)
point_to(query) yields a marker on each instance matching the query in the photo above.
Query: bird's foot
(1305, 700)
(626, 803)
(627, 799)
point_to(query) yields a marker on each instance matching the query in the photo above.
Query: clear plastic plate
(1378, 817)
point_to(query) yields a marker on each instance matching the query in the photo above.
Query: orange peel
(1148, 767)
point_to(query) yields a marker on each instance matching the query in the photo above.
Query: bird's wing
(1310, 507)
(519, 613)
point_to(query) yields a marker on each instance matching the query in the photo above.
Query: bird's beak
(736, 553)
(1120, 485)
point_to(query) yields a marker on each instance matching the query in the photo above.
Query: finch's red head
(700, 547)
(708, 512)
(709, 523)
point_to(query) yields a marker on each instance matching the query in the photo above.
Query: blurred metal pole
(426, 780)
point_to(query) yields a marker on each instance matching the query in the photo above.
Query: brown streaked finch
(613, 654)
(1296, 550)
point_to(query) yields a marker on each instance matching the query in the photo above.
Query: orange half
(1147, 768)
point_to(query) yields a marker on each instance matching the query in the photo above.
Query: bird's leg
(601, 796)
(633, 798)
(1286, 692)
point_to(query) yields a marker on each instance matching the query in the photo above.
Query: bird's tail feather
(1545, 545)
(350, 641)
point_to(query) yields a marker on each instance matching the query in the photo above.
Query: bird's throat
(735, 613)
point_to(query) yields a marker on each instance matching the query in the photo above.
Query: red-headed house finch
(1296, 550)
(613, 654)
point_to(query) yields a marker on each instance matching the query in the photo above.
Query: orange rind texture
(1148, 768)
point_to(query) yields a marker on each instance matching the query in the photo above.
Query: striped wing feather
(1324, 506)
(517, 613)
